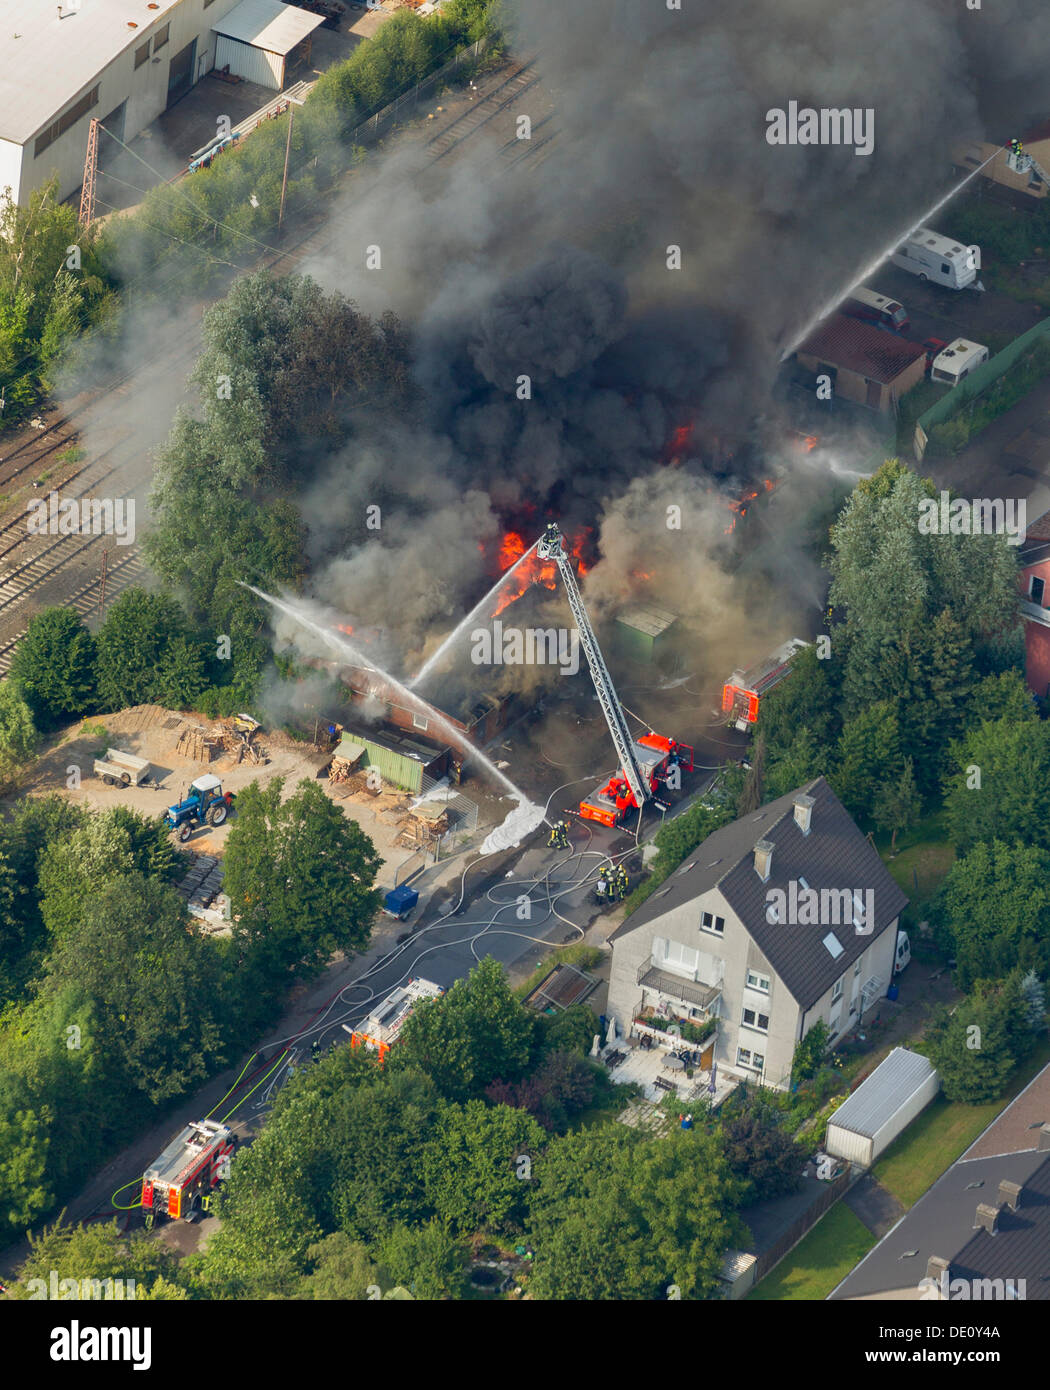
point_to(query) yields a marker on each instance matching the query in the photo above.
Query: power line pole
(287, 152)
(87, 191)
(102, 583)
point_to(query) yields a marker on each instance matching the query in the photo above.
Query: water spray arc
(874, 264)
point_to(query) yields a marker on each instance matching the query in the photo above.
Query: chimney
(1043, 1146)
(1010, 1194)
(938, 1270)
(763, 858)
(804, 813)
(987, 1218)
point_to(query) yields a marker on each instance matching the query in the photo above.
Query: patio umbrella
(714, 1074)
(674, 1064)
(596, 1046)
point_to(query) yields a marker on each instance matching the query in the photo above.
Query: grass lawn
(820, 1260)
(932, 1143)
(923, 858)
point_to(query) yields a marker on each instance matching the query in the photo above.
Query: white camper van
(940, 260)
(957, 361)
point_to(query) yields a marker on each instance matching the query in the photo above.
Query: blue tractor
(206, 803)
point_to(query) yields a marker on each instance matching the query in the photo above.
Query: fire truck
(655, 756)
(380, 1030)
(179, 1182)
(744, 689)
(645, 763)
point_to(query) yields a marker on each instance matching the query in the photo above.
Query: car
(934, 347)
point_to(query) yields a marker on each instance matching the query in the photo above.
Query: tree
(809, 1052)
(342, 1270)
(998, 790)
(25, 1182)
(618, 1215)
(477, 1167)
(133, 645)
(54, 667)
(809, 699)
(561, 1086)
(98, 1252)
(1033, 992)
(474, 1034)
(898, 805)
(972, 1046)
(754, 785)
(990, 909)
(427, 1260)
(153, 984)
(761, 1155)
(797, 762)
(18, 736)
(299, 876)
(869, 751)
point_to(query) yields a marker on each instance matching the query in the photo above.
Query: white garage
(881, 1107)
(264, 41)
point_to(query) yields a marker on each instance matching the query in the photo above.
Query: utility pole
(287, 152)
(87, 191)
(102, 583)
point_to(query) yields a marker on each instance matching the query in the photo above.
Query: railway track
(487, 108)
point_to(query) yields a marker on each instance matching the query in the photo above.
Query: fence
(809, 1218)
(389, 116)
(975, 384)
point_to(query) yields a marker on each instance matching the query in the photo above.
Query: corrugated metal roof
(52, 61)
(268, 24)
(880, 1097)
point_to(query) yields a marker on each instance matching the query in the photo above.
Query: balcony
(697, 994)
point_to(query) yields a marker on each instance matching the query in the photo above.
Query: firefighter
(622, 881)
(601, 888)
(315, 1049)
(559, 838)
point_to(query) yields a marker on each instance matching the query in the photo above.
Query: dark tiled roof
(942, 1224)
(834, 855)
(862, 348)
(1037, 535)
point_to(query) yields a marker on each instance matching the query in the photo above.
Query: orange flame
(740, 506)
(512, 547)
(345, 627)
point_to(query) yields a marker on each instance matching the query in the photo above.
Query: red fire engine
(655, 756)
(743, 690)
(192, 1164)
(379, 1031)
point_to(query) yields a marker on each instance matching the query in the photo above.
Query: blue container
(399, 902)
(892, 992)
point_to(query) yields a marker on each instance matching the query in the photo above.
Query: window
(709, 922)
(142, 54)
(82, 107)
(946, 269)
(160, 38)
(672, 955)
(419, 722)
(856, 967)
(753, 1019)
(1035, 589)
(836, 993)
(757, 981)
(753, 1060)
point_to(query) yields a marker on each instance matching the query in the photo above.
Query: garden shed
(881, 1107)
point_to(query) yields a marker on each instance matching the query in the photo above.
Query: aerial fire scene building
(744, 689)
(381, 1029)
(866, 364)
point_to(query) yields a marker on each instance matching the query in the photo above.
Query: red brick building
(1035, 605)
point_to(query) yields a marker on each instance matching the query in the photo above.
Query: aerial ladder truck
(645, 763)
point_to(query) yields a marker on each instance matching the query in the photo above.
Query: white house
(125, 62)
(784, 917)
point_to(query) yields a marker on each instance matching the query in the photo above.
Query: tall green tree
(134, 643)
(299, 874)
(477, 1166)
(869, 752)
(975, 1046)
(18, 734)
(427, 1260)
(997, 786)
(475, 1034)
(54, 667)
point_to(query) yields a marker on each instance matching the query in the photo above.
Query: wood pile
(195, 742)
(423, 825)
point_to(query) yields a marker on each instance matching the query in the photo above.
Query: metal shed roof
(880, 1097)
(268, 24)
(46, 62)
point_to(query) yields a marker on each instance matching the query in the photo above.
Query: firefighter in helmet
(622, 881)
(601, 888)
(559, 838)
(1015, 146)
